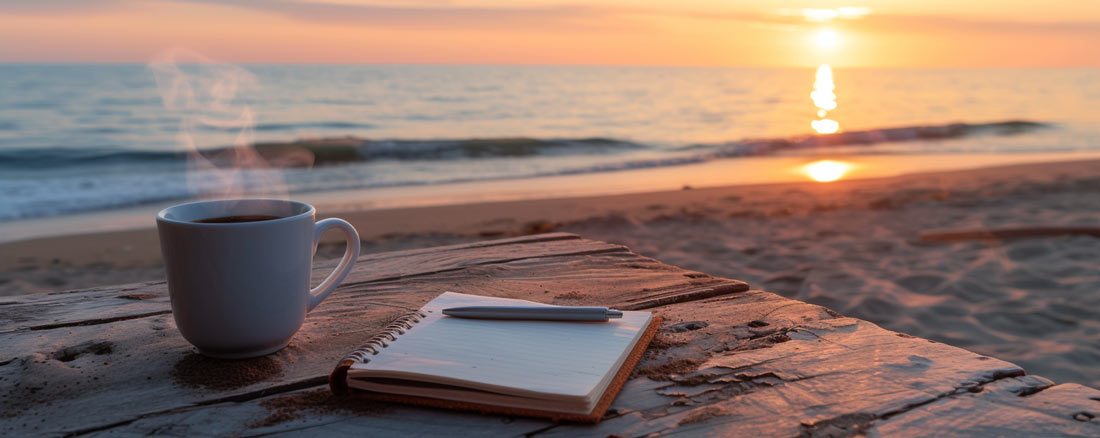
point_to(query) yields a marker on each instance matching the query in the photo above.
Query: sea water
(78, 138)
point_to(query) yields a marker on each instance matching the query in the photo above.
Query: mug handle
(319, 293)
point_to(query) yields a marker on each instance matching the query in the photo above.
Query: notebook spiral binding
(390, 334)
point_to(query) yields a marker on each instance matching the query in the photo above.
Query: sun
(826, 39)
(826, 170)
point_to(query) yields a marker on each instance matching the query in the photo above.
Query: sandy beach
(865, 248)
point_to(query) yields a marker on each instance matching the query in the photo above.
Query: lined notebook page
(526, 358)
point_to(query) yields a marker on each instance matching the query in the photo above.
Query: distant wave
(267, 127)
(875, 136)
(317, 125)
(65, 157)
(351, 149)
(66, 180)
(489, 147)
(333, 151)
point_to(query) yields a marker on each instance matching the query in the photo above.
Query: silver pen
(540, 313)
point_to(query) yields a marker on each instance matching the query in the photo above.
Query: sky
(750, 33)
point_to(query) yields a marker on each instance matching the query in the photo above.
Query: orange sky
(877, 33)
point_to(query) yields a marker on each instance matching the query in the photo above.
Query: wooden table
(728, 361)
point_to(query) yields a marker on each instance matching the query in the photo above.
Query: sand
(853, 246)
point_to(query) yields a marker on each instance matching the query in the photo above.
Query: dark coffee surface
(237, 219)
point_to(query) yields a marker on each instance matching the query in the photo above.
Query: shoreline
(380, 218)
(742, 171)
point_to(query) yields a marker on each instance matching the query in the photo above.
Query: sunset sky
(877, 33)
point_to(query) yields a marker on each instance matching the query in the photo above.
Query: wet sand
(854, 246)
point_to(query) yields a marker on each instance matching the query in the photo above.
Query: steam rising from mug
(206, 96)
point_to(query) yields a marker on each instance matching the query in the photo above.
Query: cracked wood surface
(728, 361)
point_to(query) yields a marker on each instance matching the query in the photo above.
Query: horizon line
(452, 64)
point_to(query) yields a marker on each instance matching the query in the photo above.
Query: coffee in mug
(236, 219)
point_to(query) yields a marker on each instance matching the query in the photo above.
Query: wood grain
(728, 361)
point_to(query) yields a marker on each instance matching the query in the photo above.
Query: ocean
(80, 138)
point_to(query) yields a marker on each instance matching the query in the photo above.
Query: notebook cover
(338, 382)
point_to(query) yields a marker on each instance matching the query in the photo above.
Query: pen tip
(612, 313)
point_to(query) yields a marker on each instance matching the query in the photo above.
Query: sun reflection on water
(825, 126)
(825, 100)
(826, 170)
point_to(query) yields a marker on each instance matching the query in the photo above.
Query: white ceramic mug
(241, 289)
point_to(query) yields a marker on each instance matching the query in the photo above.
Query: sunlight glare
(823, 95)
(825, 100)
(825, 126)
(826, 170)
(826, 39)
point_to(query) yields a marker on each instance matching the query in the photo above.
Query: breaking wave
(352, 149)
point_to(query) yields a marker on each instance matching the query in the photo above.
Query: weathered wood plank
(751, 363)
(651, 300)
(120, 371)
(289, 415)
(38, 311)
(726, 362)
(1008, 407)
(793, 370)
(31, 312)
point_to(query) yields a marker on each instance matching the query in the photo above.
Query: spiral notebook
(557, 369)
